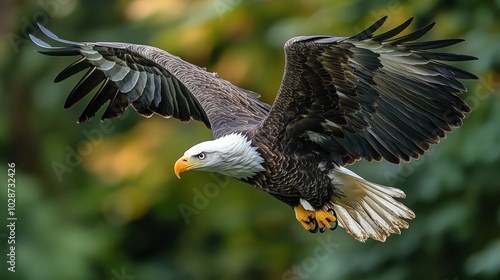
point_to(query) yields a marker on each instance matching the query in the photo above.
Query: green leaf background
(100, 201)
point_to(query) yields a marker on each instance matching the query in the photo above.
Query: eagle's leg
(325, 219)
(314, 220)
(306, 218)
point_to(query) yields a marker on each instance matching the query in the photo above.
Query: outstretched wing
(368, 96)
(153, 81)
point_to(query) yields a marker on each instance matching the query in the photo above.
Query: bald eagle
(341, 99)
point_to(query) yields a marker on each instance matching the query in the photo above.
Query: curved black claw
(336, 224)
(323, 229)
(315, 228)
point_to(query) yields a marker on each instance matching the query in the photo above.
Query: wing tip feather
(368, 32)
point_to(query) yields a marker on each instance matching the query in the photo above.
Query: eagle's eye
(201, 156)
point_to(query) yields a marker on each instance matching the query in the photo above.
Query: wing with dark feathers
(373, 97)
(153, 81)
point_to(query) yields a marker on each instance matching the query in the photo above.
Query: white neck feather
(243, 159)
(232, 155)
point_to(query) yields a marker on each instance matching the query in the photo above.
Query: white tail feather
(368, 210)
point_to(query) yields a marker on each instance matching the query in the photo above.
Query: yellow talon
(315, 220)
(325, 218)
(305, 217)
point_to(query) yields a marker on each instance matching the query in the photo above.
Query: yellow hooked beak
(183, 164)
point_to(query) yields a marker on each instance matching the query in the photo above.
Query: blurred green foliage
(116, 210)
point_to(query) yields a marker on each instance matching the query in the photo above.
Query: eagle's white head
(231, 155)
